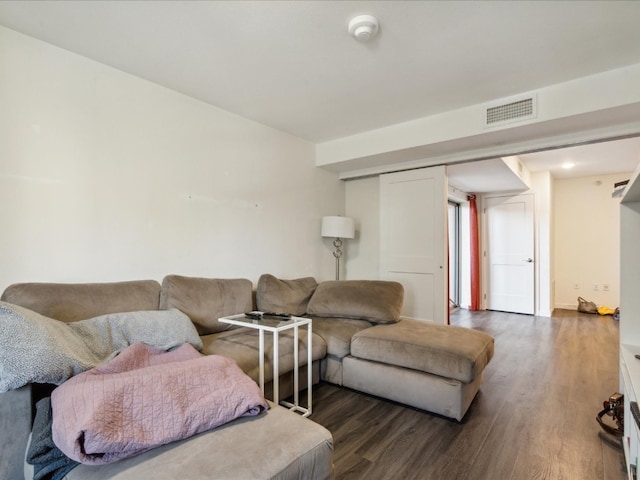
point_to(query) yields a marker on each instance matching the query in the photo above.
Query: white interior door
(510, 261)
(413, 247)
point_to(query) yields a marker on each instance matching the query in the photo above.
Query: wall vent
(515, 109)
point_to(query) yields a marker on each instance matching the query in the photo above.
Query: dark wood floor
(534, 417)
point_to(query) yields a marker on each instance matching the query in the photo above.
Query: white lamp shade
(338, 227)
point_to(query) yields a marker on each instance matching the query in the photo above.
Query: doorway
(453, 211)
(509, 260)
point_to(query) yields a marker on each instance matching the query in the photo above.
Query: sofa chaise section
(429, 366)
(434, 367)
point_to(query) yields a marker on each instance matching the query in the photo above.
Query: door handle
(529, 260)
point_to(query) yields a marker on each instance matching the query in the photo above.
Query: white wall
(586, 240)
(105, 176)
(567, 112)
(542, 187)
(362, 198)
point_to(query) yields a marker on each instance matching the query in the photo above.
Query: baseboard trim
(567, 306)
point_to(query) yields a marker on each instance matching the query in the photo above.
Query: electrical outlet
(595, 287)
(576, 286)
(605, 287)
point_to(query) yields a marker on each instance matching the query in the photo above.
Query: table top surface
(267, 322)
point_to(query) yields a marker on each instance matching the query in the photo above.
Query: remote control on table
(284, 316)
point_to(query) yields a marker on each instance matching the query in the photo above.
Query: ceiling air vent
(510, 110)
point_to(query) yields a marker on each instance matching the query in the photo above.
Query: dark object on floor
(614, 407)
(586, 306)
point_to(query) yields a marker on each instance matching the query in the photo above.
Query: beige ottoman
(434, 367)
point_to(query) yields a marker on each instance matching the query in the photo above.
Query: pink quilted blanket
(146, 397)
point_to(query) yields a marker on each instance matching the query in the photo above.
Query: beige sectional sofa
(359, 341)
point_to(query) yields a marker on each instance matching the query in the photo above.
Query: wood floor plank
(612, 459)
(533, 467)
(534, 418)
(441, 468)
(475, 427)
(581, 452)
(376, 423)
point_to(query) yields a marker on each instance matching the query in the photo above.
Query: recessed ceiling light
(568, 165)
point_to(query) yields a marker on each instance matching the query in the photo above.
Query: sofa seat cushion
(337, 333)
(445, 350)
(242, 344)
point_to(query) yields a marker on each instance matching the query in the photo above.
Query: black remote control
(284, 316)
(254, 315)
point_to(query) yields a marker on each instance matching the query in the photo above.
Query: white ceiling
(622, 156)
(293, 66)
(484, 176)
(493, 175)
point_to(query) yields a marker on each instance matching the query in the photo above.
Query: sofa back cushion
(377, 301)
(70, 302)
(205, 300)
(284, 296)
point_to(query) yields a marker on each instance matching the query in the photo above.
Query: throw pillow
(284, 296)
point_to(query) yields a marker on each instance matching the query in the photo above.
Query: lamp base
(337, 243)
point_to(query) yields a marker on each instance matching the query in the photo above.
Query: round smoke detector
(364, 27)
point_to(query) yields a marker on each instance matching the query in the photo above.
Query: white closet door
(413, 247)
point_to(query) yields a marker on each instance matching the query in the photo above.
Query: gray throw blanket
(49, 463)
(35, 348)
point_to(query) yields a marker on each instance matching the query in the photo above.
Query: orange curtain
(475, 254)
